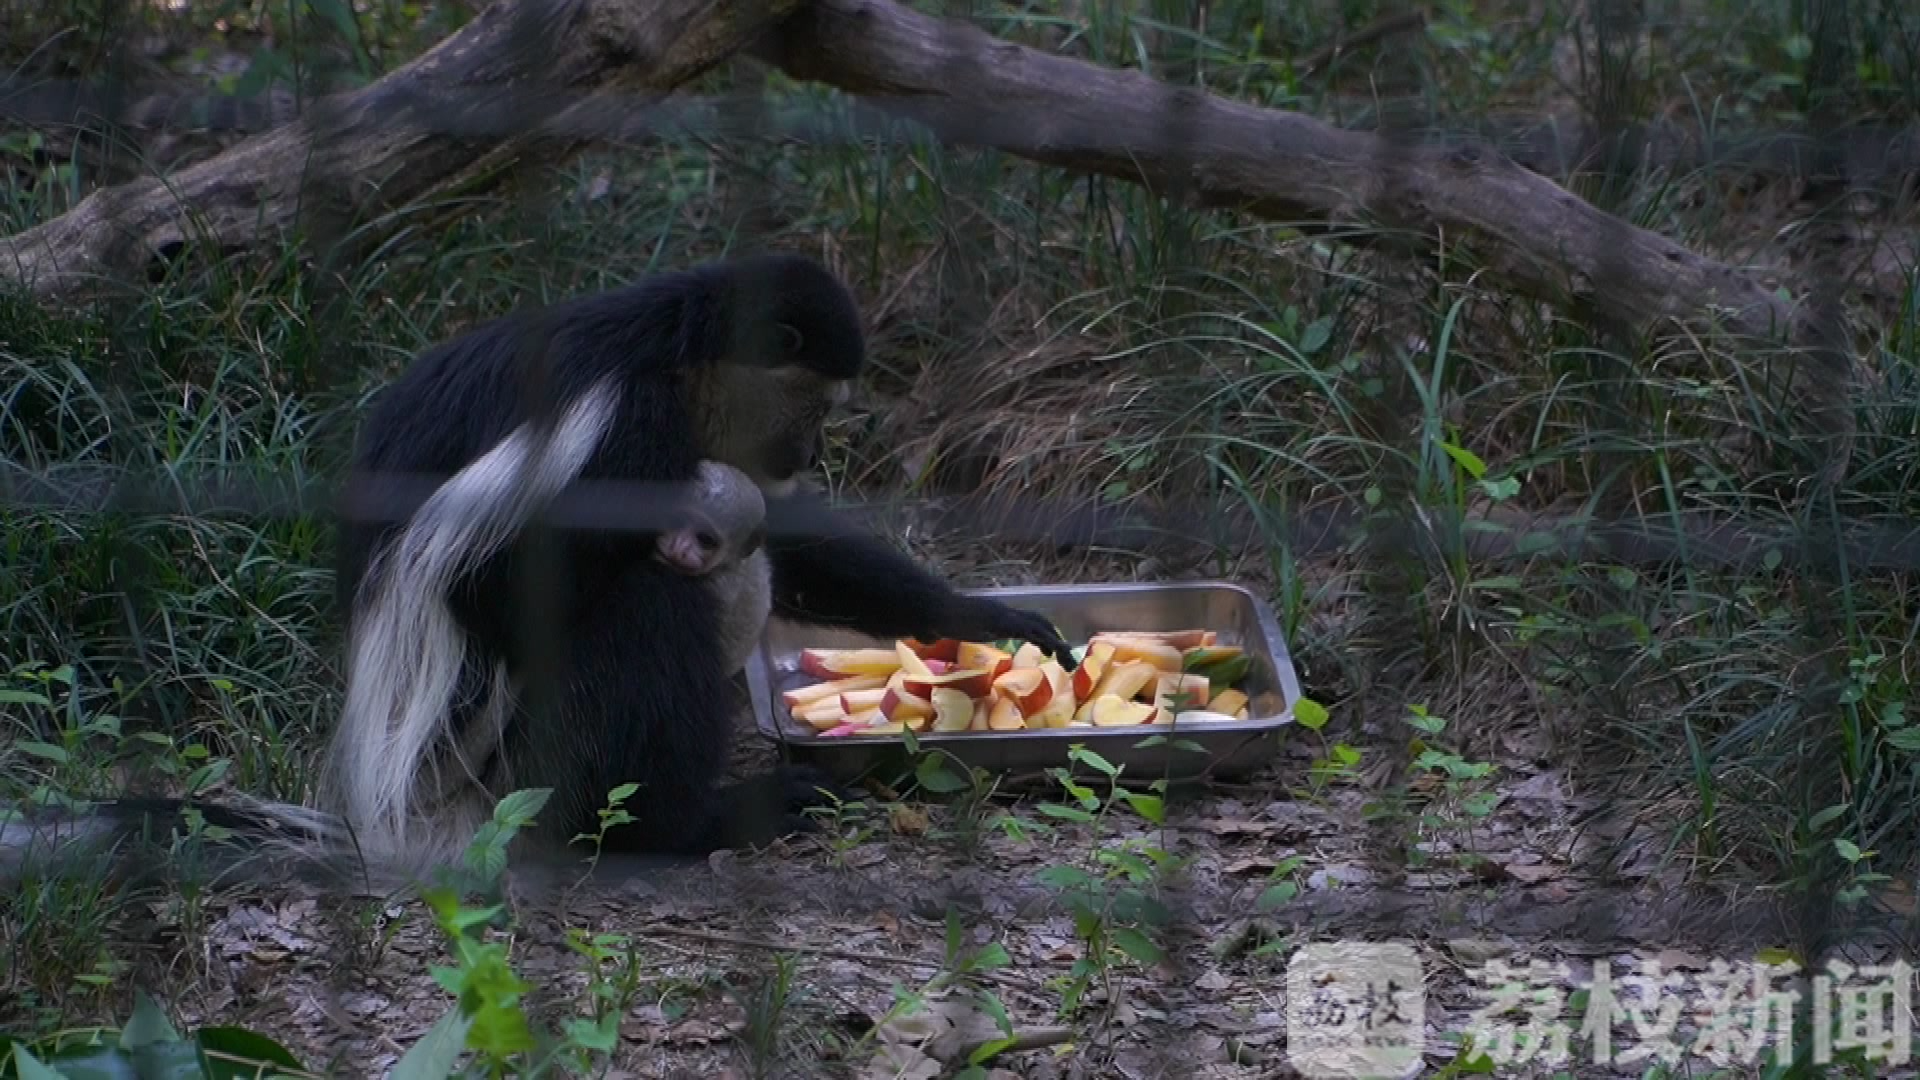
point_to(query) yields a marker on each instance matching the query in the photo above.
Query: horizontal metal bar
(1222, 524)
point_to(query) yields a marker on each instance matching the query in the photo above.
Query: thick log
(522, 65)
(1530, 234)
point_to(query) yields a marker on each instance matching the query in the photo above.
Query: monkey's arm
(830, 573)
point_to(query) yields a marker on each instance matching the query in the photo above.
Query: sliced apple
(1124, 680)
(1178, 693)
(952, 710)
(1028, 655)
(822, 721)
(808, 695)
(1203, 716)
(1057, 713)
(1231, 702)
(1203, 655)
(1111, 710)
(1163, 657)
(970, 681)
(1179, 639)
(1029, 688)
(1004, 715)
(879, 729)
(910, 661)
(901, 706)
(944, 649)
(1057, 675)
(1092, 666)
(841, 663)
(981, 711)
(863, 699)
(975, 656)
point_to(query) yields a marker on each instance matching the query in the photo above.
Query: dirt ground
(346, 982)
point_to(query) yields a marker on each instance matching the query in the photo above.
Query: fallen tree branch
(353, 157)
(1555, 144)
(1533, 235)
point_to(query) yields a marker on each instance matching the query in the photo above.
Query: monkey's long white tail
(407, 651)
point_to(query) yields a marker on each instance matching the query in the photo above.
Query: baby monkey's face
(726, 523)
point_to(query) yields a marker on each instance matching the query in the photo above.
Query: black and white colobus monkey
(737, 363)
(614, 665)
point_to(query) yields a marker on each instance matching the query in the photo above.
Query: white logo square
(1356, 1010)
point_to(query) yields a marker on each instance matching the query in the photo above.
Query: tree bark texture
(519, 67)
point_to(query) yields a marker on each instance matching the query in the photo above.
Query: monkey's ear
(790, 337)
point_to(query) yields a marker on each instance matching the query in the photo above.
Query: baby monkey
(726, 523)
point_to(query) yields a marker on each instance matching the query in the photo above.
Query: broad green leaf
(1904, 738)
(147, 1024)
(933, 775)
(1092, 758)
(234, 1053)
(1310, 714)
(433, 1057)
(1466, 459)
(1151, 807)
(519, 807)
(1136, 945)
(1277, 895)
(30, 1068)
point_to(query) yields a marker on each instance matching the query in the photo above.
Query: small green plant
(1112, 897)
(1337, 761)
(148, 1045)
(1464, 793)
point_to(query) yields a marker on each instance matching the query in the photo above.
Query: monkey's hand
(981, 618)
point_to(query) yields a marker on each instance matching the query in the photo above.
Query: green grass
(1042, 333)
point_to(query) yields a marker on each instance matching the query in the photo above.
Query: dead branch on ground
(1533, 235)
(521, 67)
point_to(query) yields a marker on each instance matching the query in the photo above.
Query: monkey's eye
(791, 337)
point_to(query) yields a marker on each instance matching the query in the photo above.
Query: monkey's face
(797, 347)
(769, 422)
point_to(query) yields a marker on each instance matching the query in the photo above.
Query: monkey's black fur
(617, 654)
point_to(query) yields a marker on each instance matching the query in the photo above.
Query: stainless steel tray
(1236, 614)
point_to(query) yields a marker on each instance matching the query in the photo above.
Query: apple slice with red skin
(1110, 710)
(821, 691)
(1004, 715)
(1186, 691)
(1124, 680)
(1029, 655)
(971, 682)
(910, 661)
(1179, 639)
(943, 650)
(1057, 713)
(902, 705)
(1029, 688)
(1092, 666)
(1160, 655)
(975, 656)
